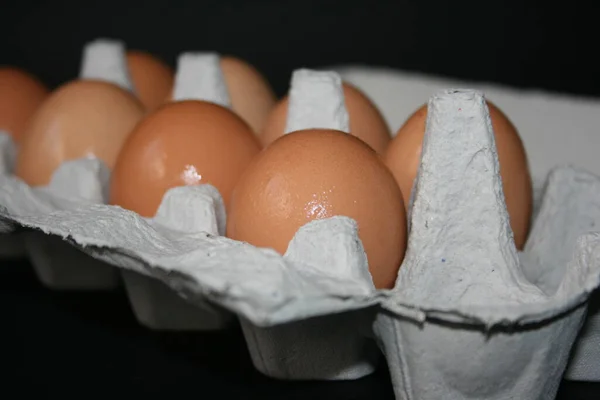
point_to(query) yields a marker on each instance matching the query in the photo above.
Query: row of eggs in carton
(332, 239)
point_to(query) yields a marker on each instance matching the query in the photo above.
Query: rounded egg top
(182, 143)
(81, 118)
(366, 121)
(152, 78)
(251, 94)
(316, 174)
(20, 96)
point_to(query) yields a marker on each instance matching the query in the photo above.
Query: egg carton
(469, 317)
(198, 77)
(57, 264)
(61, 266)
(155, 305)
(542, 119)
(11, 246)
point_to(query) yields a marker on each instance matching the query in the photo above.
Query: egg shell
(366, 122)
(182, 143)
(57, 264)
(152, 78)
(251, 94)
(83, 118)
(315, 174)
(21, 94)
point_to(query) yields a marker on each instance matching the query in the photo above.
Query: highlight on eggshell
(152, 78)
(366, 121)
(21, 93)
(250, 94)
(183, 143)
(195, 139)
(403, 157)
(315, 174)
(88, 117)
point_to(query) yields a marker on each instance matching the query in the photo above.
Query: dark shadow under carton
(12, 246)
(158, 307)
(61, 266)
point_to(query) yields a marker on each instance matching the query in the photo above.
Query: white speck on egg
(190, 175)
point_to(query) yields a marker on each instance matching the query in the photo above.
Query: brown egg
(81, 118)
(20, 95)
(251, 95)
(152, 78)
(316, 174)
(366, 122)
(184, 143)
(403, 157)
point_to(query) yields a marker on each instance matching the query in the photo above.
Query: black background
(89, 343)
(518, 42)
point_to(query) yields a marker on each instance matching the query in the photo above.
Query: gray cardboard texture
(488, 336)
(462, 271)
(199, 77)
(552, 236)
(156, 306)
(57, 264)
(320, 348)
(542, 118)
(584, 364)
(8, 153)
(60, 266)
(556, 128)
(11, 246)
(105, 60)
(316, 101)
(459, 184)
